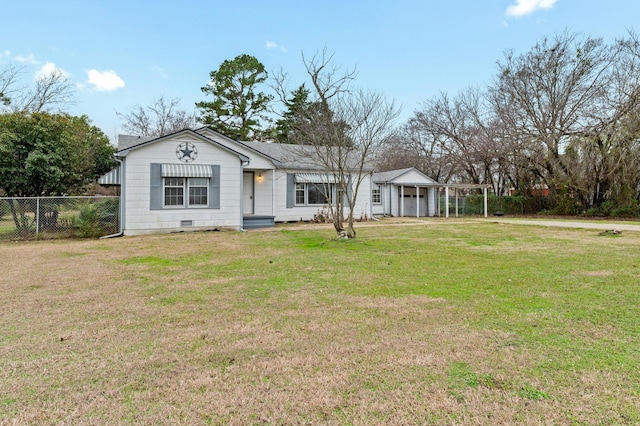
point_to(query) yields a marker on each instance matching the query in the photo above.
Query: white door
(247, 192)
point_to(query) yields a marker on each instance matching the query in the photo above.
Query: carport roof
(392, 175)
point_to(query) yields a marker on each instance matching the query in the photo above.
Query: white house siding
(140, 219)
(363, 202)
(296, 213)
(378, 210)
(259, 165)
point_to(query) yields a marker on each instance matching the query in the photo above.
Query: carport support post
(446, 201)
(418, 201)
(401, 200)
(484, 191)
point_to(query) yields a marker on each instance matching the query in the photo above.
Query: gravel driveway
(604, 225)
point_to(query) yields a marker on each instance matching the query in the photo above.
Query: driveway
(603, 225)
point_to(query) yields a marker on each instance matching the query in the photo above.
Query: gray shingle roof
(389, 175)
(291, 156)
(127, 141)
(288, 156)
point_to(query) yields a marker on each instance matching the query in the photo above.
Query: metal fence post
(37, 216)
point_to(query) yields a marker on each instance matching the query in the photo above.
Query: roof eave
(125, 152)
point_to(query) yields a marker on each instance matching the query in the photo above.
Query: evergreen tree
(237, 106)
(298, 109)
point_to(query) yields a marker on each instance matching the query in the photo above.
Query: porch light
(260, 178)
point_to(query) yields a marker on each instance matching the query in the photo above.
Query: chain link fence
(468, 204)
(473, 204)
(58, 217)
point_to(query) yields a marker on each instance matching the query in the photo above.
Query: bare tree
(606, 162)
(409, 146)
(344, 130)
(8, 80)
(159, 118)
(52, 91)
(464, 135)
(550, 95)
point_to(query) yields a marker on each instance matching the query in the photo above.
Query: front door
(247, 192)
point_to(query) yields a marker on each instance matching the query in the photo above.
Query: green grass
(450, 322)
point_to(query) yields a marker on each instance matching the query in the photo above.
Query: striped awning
(315, 178)
(186, 170)
(111, 178)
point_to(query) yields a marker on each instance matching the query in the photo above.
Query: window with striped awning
(111, 178)
(186, 170)
(315, 178)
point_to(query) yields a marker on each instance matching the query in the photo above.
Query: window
(376, 196)
(311, 194)
(176, 188)
(301, 190)
(319, 193)
(174, 191)
(198, 188)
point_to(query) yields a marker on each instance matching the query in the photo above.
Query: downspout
(122, 192)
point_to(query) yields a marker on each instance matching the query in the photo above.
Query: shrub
(626, 211)
(97, 219)
(88, 223)
(516, 204)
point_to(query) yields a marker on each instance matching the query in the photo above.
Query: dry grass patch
(597, 273)
(411, 325)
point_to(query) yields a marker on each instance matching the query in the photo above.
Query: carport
(458, 186)
(410, 193)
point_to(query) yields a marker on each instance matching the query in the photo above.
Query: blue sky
(121, 53)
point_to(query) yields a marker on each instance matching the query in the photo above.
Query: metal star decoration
(186, 152)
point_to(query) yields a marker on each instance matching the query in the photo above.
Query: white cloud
(526, 7)
(6, 53)
(27, 59)
(105, 81)
(48, 69)
(271, 45)
(158, 70)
